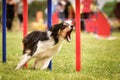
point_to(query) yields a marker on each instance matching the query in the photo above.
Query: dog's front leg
(45, 63)
(24, 59)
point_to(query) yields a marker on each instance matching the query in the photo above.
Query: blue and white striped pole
(4, 30)
(49, 20)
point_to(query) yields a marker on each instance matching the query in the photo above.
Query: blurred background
(107, 6)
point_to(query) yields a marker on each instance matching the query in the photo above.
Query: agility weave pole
(25, 18)
(49, 21)
(25, 21)
(78, 41)
(4, 30)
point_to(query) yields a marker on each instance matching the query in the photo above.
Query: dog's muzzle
(68, 35)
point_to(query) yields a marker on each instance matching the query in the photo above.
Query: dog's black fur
(31, 40)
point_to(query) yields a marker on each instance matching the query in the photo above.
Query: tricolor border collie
(44, 45)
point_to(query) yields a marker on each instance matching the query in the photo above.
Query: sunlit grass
(100, 60)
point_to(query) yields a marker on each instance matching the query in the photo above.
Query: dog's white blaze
(69, 22)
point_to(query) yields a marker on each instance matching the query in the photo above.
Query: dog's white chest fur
(47, 49)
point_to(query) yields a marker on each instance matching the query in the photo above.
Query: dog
(44, 45)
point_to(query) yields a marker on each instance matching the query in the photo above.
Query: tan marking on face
(63, 33)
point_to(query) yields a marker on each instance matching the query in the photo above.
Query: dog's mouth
(68, 35)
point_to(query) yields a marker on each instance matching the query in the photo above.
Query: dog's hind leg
(35, 63)
(24, 59)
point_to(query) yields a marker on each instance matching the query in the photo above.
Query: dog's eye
(67, 24)
(63, 27)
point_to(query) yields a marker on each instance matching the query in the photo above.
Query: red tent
(90, 25)
(86, 4)
(103, 26)
(98, 23)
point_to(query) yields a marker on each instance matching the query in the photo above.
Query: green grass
(100, 60)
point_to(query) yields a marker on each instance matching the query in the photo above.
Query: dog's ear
(51, 28)
(55, 30)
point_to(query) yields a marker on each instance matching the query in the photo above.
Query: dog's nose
(72, 27)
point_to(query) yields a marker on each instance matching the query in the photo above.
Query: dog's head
(63, 30)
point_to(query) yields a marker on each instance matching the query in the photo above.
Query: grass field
(100, 60)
